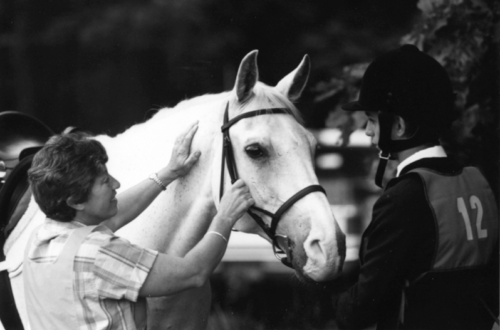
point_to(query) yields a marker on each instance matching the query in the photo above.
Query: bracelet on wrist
(217, 234)
(157, 180)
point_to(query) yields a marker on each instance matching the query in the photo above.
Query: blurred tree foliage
(464, 36)
(102, 64)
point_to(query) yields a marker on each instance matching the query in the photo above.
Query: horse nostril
(314, 249)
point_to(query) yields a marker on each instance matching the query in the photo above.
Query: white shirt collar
(432, 152)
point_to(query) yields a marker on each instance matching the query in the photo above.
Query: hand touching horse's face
(275, 157)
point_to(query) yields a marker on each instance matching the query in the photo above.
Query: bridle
(228, 159)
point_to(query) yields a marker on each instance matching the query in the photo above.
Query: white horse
(274, 155)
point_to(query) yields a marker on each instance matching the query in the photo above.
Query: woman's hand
(235, 202)
(171, 274)
(182, 159)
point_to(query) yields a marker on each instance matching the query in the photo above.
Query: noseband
(228, 159)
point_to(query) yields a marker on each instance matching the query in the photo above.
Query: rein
(228, 160)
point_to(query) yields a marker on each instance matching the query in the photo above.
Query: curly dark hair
(65, 167)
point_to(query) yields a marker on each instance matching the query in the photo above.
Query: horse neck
(183, 213)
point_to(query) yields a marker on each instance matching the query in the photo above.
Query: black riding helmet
(411, 84)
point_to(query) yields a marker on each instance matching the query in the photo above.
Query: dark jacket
(397, 253)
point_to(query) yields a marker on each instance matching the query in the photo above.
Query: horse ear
(293, 84)
(247, 77)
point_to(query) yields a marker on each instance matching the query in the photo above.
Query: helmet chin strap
(424, 134)
(384, 144)
(379, 176)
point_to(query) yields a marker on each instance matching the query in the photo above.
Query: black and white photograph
(249, 165)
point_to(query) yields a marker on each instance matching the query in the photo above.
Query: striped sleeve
(121, 268)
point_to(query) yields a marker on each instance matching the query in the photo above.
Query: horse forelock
(264, 94)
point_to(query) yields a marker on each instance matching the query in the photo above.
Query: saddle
(22, 136)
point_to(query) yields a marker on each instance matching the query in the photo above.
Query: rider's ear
(247, 77)
(71, 203)
(293, 84)
(399, 128)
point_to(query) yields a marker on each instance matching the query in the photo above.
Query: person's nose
(115, 183)
(369, 130)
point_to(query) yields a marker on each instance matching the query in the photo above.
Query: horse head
(274, 154)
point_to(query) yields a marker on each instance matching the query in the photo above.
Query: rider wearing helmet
(427, 257)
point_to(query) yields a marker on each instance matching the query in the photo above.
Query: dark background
(101, 65)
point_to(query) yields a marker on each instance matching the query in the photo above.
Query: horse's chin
(298, 262)
(304, 278)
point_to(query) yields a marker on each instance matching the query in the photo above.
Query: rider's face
(373, 127)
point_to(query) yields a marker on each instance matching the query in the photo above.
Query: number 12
(475, 203)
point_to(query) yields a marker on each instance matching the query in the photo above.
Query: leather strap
(291, 201)
(229, 123)
(379, 176)
(9, 315)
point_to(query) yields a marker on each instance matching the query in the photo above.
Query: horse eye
(254, 151)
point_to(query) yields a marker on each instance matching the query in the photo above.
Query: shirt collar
(432, 152)
(53, 228)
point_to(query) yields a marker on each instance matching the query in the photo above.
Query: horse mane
(202, 99)
(263, 94)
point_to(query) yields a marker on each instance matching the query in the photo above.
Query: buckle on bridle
(381, 155)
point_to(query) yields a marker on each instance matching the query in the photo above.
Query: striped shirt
(109, 272)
